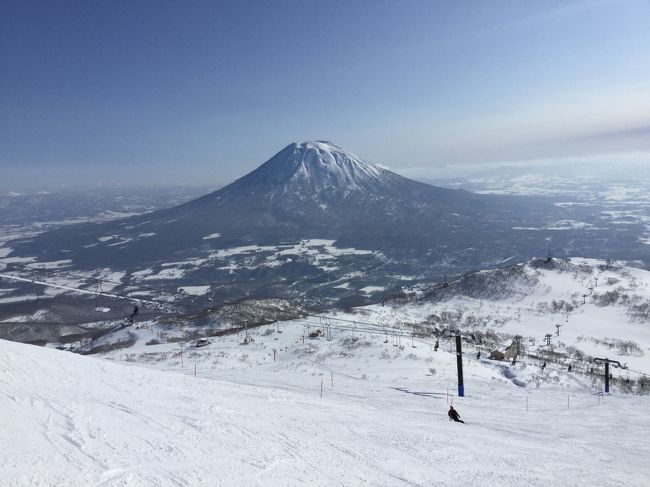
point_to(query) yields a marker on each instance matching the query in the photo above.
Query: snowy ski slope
(246, 420)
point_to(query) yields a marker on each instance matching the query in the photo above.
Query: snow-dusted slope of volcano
(310, 183)
(249, 237)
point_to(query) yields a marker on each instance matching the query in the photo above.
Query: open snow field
(246, 419)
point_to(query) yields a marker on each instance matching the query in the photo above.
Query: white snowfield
(71, 420)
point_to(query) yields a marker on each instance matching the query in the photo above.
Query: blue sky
(195, 92)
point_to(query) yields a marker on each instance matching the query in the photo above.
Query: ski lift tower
(607, 361)
(549, 254)
(459, 365)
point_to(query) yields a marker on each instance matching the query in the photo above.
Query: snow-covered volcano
(365, 223)
(320, 180)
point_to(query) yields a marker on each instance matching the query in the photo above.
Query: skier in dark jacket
(453, 415)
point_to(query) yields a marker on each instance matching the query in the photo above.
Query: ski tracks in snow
(70, 420)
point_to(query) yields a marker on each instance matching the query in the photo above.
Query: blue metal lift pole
(459, 362)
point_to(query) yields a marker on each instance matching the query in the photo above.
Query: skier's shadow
(435, 395)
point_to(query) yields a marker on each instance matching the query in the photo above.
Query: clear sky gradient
(190, 91)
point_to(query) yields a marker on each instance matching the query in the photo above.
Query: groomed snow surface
(248, 420)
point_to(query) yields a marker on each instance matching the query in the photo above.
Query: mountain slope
(73, 420)
(307, 190)
(315, 191)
